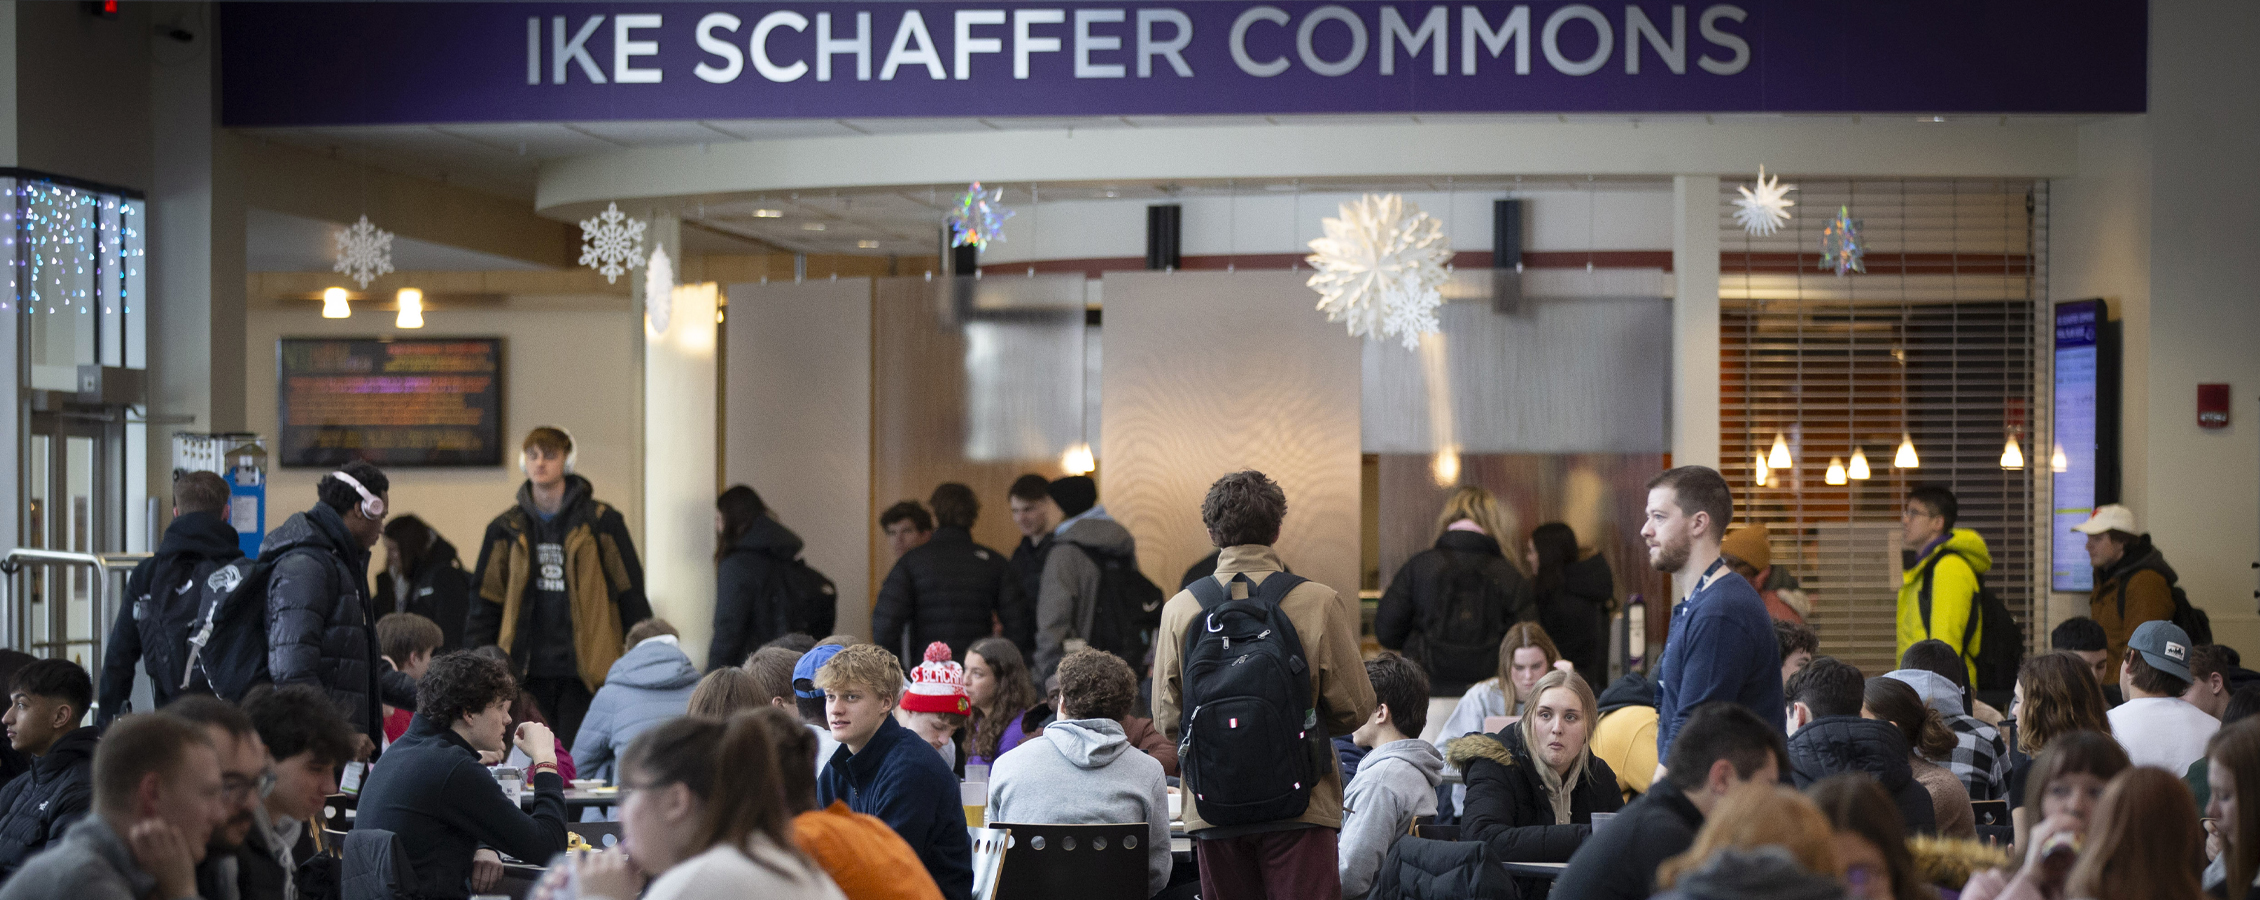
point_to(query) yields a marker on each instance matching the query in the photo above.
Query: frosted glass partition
(974, 380)
(797, 416)
(1208, 373)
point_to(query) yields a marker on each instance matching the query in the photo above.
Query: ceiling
(280, 242)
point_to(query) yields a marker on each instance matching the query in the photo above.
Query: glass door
(73, 490)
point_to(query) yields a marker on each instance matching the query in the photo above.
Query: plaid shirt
(1980, 758)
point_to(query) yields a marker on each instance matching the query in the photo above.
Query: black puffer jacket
(946, 590)
(1419, 600)
(438, 590)
(37, 807)
(746, 595)
(1834, 745)
(153, 626)
(319, 630)
(1575, 614)
(1506, 804)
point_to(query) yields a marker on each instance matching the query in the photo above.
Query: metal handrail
(12, 615)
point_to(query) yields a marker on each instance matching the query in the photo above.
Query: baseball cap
(804, 672)
(2164, 646)
(2111, 517)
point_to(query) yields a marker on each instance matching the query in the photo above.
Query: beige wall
(572, 364)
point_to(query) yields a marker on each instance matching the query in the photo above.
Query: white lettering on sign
(576, 50)
(1394, 33)
(1086, 42)
(1516, 28)
(1024, 42)
(733, 61)
(1174, 48)
(828, 47)
(1729, 40)
(1331, 68)
(967, 44)
(1590, 64)
(1637, 26)
(625, 48)
(1239, 41)
(913, 28)
(759, 46)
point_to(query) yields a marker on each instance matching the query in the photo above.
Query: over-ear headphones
(372, 506)
(572, 450)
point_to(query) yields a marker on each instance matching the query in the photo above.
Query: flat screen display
(406, 402)
(2072, 463)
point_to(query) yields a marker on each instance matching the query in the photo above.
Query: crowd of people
(1056, 685)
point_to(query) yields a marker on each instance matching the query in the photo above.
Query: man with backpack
(1254, 671)
(2133, 583)
(1092, 594)
(1943, 568)
(165, 593)
(950, 589)
(318, 625)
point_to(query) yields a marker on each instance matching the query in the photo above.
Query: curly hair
(1013, 696)
(339, 496)
(868, 666)
(2061, 696)
(1244, 508)
(1095, 684)
(463, 683)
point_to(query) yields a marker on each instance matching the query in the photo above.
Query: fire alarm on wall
(2212, 406)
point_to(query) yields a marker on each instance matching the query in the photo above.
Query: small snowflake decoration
(1381, 269)
(1841, 245)
(1763, 211)
(978, 218)
(364, 252)
(612, 243)
(659, 290)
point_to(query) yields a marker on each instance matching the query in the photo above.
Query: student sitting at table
(1532, 788)
(1397, 779)
(1081, 770)
(434, 795)
(883, 769)
(867, 859)
(701, 812)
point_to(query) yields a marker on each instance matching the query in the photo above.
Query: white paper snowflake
(1380, 268)
(1763, 211)
(612, 243)
(659, 290)
(364, 252)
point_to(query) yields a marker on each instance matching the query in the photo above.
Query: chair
(337, 811)
(1991, 812)
(988, 859)
(1087, 862)
(375, 868)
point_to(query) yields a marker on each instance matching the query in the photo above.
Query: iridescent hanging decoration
(1765, 210)
(979, 217)
(1841, 245)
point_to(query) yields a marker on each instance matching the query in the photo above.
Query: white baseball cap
(2112, 517)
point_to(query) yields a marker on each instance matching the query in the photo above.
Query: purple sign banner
(313, 64)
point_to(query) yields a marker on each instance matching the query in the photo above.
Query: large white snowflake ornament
(1381, 269)
(364, 252)
(659, 290)
(612, 243)
(1763, 211)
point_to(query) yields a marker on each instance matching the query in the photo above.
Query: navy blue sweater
(1721, 648)
(430, 791)
(903, 782)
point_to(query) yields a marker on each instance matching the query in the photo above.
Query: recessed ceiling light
(867, 245)
(768, 214)
(1114, 193)
(812, 226)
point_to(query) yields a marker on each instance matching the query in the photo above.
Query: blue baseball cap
(804, 672)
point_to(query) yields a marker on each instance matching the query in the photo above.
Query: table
(577, 800)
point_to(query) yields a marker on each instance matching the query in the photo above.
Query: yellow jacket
(1954, 587)
(1625, 738)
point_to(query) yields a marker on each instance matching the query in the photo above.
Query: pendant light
(411, 308)
(2058, 462)
(1759, 470)
(1906, 458)
(1778, 458)
(1836, 471)
(2012, 456)
(1077, 460)
(1859, 469)
(334, 305)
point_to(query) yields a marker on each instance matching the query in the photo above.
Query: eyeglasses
(237, 788)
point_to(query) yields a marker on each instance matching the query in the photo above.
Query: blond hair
(868, 666)
(1759, 815)
(1520, 635)
(1559, 679)
(1477, 505)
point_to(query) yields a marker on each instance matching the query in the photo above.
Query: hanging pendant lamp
(1906, 458)
(1836, 471)
(1859, 469)
(1778, 458)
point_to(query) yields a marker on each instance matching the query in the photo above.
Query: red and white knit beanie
(938, 684)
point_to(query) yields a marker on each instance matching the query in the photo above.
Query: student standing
(164, 594)
(1721, 645)
(1450, 604)
(1573, 591)
(1034, 513)
(1082, 545)
(1946, 562)
(423, 575)
(319, 627)
(559, 583)
(950, 589)
(2133, 583)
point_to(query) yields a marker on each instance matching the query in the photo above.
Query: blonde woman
(1525, 656)
(1450, 604)
(1533, 787)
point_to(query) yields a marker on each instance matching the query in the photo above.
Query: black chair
(1087, 862)
(1991, 812)
(337, 811)
(375, 868)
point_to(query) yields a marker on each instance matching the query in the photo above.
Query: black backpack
(1249, 730)
(806, 599)
(2187, 617)
(1460, 643)
(2002, 648)
(167, 612)
(227, 653)
(1126, 614)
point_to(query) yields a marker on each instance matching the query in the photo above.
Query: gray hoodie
(1071, 582)
(1396, 782)
(649, 685)
(1084, 772)
(91, 862)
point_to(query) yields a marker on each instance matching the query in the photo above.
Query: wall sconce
(334, 305)
(411, 308)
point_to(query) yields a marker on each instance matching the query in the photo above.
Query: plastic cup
(975, 796)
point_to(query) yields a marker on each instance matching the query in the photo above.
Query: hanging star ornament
(979, 217)
(1381, 269)
(612, 243)
(1841, 245)
(364, 252)
(1765, 210)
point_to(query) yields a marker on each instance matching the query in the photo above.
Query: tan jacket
(1328, 629)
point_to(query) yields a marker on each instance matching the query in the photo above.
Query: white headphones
(372, 506)
(572, 451)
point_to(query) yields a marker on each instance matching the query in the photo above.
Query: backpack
(2002, 648)
(1126, 614)
(1460, 643)
(1247, 752)
(805, 599)
(233, 625)
(2187, 617)
(166, 613)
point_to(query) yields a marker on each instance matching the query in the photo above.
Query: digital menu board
(402, 402)
(2073, 461)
